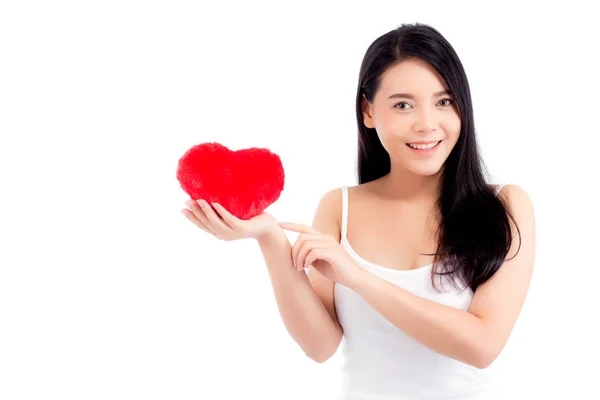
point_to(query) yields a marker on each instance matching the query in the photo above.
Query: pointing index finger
(296, 227)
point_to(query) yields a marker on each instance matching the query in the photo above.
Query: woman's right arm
(305, 302)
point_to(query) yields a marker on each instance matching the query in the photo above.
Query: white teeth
(423, 146)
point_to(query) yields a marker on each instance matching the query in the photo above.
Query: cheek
(392, 127)
(385, 123)
(452, 128)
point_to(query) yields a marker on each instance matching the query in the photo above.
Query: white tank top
(381, 361)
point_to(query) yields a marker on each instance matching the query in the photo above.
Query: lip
(427, 152)
(429, 142)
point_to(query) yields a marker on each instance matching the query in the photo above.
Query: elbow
(321, 356)
(483, 363)
(326, 347)
(320, 359)
(484, 357)
(324, 353)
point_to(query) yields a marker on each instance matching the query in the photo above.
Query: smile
(424, 147)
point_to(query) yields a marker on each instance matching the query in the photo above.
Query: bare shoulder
(329, 209)
(327, 218)
(331, 201)
(515, 197)
(521, 208)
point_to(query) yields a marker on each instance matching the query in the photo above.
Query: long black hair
(474, 232)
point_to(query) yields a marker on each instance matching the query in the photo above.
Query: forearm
(446, 330)
(303, 314)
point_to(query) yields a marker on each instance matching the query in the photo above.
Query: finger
(192, 217)
(308, 247)
(290, 226)
(313, 256)
(199, 214)
(215, 222)
(298, 245)
(231, 220)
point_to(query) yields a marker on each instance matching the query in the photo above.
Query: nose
(425, 121)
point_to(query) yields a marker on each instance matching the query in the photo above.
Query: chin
(426, 170)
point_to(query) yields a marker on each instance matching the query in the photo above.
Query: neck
(404, 185)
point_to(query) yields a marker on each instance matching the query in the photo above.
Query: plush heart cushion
(245, 181)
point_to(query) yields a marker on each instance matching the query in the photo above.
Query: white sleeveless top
(381, 362)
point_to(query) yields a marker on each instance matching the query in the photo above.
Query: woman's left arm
(476, 336)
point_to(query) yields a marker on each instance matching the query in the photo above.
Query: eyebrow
(410, 96)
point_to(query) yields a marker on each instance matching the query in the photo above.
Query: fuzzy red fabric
(245, 181)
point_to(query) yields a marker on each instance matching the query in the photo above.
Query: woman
(423, 267)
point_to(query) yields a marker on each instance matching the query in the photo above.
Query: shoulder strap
(344, 211)
(499, 187)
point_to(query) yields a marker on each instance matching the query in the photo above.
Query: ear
(367, 111)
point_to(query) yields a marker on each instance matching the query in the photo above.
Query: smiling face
(413, 107)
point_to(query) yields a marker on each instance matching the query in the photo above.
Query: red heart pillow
(245, 181)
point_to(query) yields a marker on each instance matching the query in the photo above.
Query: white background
(108, 292)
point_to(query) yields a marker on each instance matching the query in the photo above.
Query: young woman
(423, 267)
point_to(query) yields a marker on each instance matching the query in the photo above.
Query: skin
(406, 194)
(400, 120)
(225, 226)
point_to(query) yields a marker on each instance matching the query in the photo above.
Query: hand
(324, 253)
(225, 226)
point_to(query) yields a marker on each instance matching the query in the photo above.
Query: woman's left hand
(324, 253)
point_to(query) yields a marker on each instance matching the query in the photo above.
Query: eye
(450, 101)
(448, 104)
(402, 102)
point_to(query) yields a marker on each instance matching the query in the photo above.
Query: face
(409, 110)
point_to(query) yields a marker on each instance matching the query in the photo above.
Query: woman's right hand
(225, 226)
